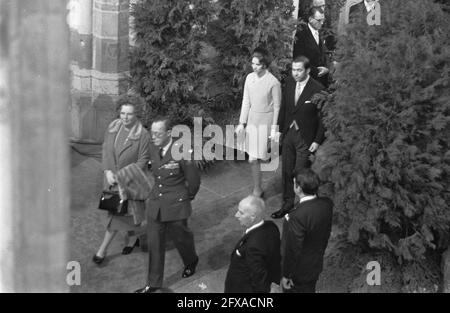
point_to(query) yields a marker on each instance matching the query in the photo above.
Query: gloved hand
(110, 177)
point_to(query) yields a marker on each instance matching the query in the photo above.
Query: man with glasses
(309, 43)
(177, 181)
(359, 9)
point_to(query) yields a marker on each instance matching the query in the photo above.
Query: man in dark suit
(360, 9)
(306, 231)
(309, 43)
(300, 125)
(177, 181)
(255, 261)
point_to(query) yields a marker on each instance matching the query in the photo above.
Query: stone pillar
(80, 22)
(97, 83)
(34, 153)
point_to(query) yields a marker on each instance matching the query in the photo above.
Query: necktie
(298, 92)
(316, 37)
(161, 153)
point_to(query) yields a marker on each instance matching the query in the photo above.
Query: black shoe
(128, 249)
(261, 195)
(97, 259)
(278, 214)
(287, 206)
(147, 289)
(189, 270)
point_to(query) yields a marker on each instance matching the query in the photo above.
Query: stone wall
(34, 167)
(99, 32)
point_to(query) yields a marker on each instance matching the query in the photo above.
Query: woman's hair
(263, 56)
(133, 100)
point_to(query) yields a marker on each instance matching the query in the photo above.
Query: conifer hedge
(387, 149)
(193, 56)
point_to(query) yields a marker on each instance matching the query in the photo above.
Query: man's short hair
(314, 5)
(163, 118)
(308, 180)
(313, 10)
(262, 55)
(302, 59)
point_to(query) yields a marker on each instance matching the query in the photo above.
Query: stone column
(80, 22)
(97, 83)
(34, 153)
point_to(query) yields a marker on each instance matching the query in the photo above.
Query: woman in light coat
(259, 114)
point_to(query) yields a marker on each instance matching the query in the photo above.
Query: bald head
(250, 210)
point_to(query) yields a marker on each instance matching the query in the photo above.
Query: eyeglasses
(319, 20)
(158, 135)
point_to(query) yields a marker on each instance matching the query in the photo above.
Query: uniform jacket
(176, 184)
(305, 113)
(255, 261)
(305, 238)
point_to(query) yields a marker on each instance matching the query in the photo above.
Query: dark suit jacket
(176, 184)
(306, 45)
(259, 262)
(358, 13)
(305, 238)
(307, 116)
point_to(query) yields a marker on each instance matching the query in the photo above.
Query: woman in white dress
(259, 114)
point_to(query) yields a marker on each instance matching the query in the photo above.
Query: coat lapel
(128, 144)
(311, 37)
(244, 238)
(306, 94)
(168, 156)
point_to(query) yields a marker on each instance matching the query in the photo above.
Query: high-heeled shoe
(98, 259)
(128, 249)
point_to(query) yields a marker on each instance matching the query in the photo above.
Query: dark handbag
(110, 201)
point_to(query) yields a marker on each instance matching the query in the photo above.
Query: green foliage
(166, 65)
(240, 27)
(387, 153)
(191, 56)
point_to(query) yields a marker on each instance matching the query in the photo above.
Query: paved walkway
(215, 228)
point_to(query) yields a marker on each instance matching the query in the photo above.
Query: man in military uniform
(176, 183)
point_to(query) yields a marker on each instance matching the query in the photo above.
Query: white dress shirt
(299, 88)
(166, 147)
(254, 226)
(298, 92)
(315, 33)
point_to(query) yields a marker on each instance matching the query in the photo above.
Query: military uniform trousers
(183, 239)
